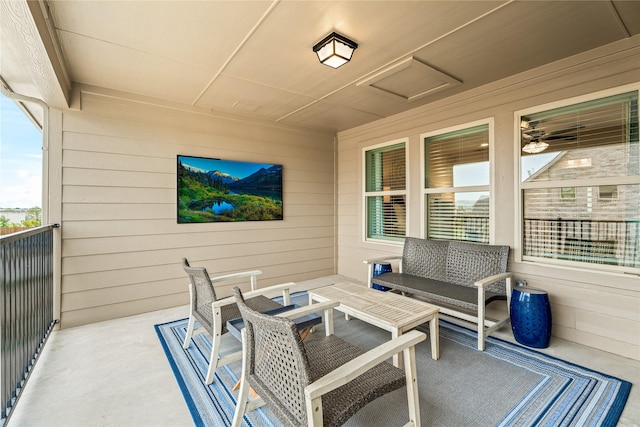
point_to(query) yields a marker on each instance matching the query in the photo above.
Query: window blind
(385, 168)
(443, 152)
(458, 159)
(581, 196)
(385, 192)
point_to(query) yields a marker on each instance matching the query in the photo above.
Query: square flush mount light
(335, 50)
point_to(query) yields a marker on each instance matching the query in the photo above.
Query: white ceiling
(255, 58)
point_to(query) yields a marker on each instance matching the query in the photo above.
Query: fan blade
(565, 130)
(560, 138)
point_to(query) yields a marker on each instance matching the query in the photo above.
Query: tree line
(33, 218)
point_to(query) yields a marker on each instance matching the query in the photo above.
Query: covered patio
(121, 90)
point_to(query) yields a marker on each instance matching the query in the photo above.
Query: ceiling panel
(203, 33)
(519, 37)
(629, 12)
(118, 67)
(255, 58)
(327, 116)
(280, 52)
(244, 97)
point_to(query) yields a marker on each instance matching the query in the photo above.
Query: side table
(531, 316)
(378, 269)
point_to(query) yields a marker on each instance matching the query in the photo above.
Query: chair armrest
(489, 280)
(308, 309)
(361, 364)
(285, 287)
(388, 258)
(252, 274)
(236, 275)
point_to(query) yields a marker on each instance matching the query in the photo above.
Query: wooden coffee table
(392, 312)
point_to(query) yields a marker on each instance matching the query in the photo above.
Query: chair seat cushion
(328, 353)
(228, 312)
(436, 290)
(259, 303)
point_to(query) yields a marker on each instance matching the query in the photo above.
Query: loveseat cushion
(436, 290)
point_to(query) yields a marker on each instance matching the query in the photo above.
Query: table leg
(397, 358)
(434, 331)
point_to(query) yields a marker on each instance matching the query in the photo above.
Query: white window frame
(489, 188)
(365, 194)
(587, 182)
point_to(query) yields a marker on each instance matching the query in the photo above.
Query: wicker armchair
(213, 314)
(322, 381)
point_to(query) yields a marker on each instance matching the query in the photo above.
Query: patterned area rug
(506, 385)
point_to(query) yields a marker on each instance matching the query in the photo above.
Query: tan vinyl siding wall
(122, 247)
(596, 309)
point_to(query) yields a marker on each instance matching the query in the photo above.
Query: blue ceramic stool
(531, 317)
(378, 269)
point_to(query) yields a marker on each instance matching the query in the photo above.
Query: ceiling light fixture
(335, 50)
(535, 147)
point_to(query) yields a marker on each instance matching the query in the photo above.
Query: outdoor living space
(225, 133)
(115, 373)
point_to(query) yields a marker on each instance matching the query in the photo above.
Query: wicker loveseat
(461, 278)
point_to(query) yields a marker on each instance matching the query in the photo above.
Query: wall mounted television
(216, 190)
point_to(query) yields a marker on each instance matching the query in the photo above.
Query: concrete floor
(115, 373)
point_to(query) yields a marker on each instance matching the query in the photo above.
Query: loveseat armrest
(481, 285)
(372, 261)
(491, 279)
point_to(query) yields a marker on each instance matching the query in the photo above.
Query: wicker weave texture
(468, 263)
(204, 294)
(328, 353)
(281, 366)
(425, 258)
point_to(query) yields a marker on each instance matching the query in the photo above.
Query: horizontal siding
(597, 309)
(121, 244)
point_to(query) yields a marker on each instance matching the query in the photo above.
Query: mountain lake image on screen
(215, 190)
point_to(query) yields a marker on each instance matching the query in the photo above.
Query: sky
(233, 168)
(20, 158)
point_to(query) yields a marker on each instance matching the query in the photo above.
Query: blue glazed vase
(378, 269)
(531, 317)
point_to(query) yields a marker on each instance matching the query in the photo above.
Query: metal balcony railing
(593, 241)
(26, 304)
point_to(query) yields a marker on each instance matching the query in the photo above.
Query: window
(568, 193)
(456, 191)
(608, 192)
(385, 197)
(587, 153)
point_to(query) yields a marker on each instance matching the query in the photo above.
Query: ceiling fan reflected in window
(537, 137)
